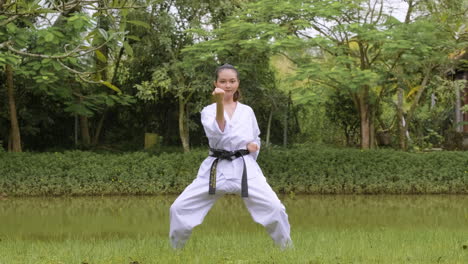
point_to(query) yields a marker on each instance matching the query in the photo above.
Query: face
(227, 80)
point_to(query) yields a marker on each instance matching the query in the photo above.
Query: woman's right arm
(219, 96)
(216, 127)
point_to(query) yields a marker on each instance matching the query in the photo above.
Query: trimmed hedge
(302, 169)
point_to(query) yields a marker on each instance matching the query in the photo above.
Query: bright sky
(399, 8)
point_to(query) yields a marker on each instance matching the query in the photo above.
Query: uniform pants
(191, 207)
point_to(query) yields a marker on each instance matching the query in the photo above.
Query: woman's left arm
(254, 146)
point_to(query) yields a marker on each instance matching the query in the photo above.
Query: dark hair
(226, 66)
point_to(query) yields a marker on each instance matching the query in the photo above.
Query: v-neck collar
(233, 113)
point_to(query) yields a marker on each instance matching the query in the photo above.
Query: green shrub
(301, 169)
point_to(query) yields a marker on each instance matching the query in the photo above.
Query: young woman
(233, 135)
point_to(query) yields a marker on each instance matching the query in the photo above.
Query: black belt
(228, 155)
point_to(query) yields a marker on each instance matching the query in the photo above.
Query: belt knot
(227, 155)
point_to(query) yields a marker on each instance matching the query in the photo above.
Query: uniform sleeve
(212, 130)
(256, 135)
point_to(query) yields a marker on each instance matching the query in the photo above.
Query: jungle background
(100, 74)
(362, 105)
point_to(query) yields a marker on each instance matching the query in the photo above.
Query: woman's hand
(218, 95)
(252, 147)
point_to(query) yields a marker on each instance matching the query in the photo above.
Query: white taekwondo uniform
(191, 207)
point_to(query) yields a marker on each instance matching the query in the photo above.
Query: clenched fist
(252, 147)
(218, 95)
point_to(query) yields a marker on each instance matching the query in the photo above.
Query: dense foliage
(310, 169)
(81, 74)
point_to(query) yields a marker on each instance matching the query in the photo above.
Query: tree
(350, 46)
(420, 51)
(186, 76)
(53, 40)
(234, 42)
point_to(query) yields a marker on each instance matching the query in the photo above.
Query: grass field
(325, 229)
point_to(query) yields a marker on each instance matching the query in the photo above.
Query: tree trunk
(286, 122)
(415, 103)
(285, 128)
(372, 141)
(409, 12)
(10, 145)
(401, 125)
(465, 93)
(76, 130)
(433, 101)
(347, 133)
(458, 113)
(15, 131)
(85, 138)
(365, 128)
(99, 128)
(183, 126)
(270, 117)
(364, 114)
(102, 67)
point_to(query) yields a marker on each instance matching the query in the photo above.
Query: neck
(228, 101)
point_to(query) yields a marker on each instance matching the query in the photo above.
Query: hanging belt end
(211, 191)
(245, 194)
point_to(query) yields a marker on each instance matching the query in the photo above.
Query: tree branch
(380, 12)
(74, 53)
(5, 6)
(397, 59)
(315, 25)
(4, 44)
(368, 12)
(324, 83)
(70, 6)
(342, 33)
(375, 57)
(289, 57)
(408, 13)
(80, 74)
(10, 19)
(424, 83)
(372, 11)
(74, 71)
(115, 8)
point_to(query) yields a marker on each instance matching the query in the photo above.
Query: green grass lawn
(325, 229)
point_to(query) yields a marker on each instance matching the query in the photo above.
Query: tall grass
(325, 229)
